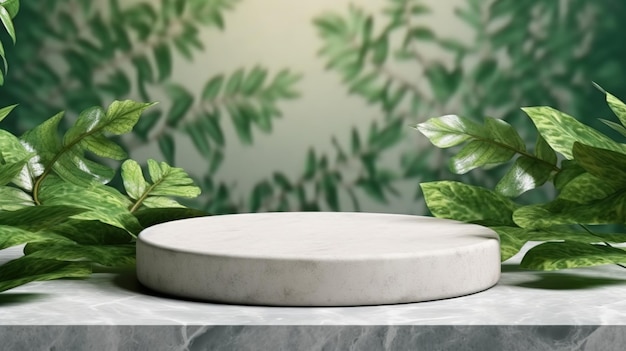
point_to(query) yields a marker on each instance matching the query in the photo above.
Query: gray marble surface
(582, 309)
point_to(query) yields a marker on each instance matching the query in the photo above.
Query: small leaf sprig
(590, 182)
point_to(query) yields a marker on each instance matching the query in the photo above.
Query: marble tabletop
(584, 296)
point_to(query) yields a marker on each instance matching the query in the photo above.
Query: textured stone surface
(318, 258)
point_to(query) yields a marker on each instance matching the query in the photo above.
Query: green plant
(589, 179)
(54, 197)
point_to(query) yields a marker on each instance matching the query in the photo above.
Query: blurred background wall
(278, 105)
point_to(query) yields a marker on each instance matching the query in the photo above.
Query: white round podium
(317, 258)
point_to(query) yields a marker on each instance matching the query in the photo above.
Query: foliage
(76, 53)
(54, 197)
(590, 180)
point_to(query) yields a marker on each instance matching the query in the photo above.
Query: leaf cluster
(54, 197)
(589, 178)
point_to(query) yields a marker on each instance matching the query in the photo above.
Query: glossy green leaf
(478, 153)
(615, 126)
(5, 17)
(610, 166)
(450, 130)
(570, 254)
(29, 269)
(525, 174)
(585, 188)
(468, 203)
(561, 131)
(607, 210)
(511, 240)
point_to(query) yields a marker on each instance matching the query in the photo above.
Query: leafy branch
(591, 186)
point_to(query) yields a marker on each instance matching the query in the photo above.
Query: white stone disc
(317, 258)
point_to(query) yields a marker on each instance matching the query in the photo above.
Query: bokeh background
(279, 105)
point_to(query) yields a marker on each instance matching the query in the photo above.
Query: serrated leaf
(525, 174)
(165, 181)
(570, 254)
(609, 166)
(104, 203)
(106, 255)
(468, 203)
(561, 131)
(28, 269)
(133, 180)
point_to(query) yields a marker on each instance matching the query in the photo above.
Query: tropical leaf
(12, 199)
(122, 255)
(28, 269)
(561, 131)
(607, 165)
(12, 236)
(570, 254)
(152, 216)
(165, 181)
(467, 203)
(511, 240)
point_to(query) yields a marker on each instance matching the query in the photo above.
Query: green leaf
(609, 166)
(561, 131)
(167, 147)
(182, 102)
(133, 180)
(165, 181)
(525, 174)
(618, 107)
(4, 112)
(450, 130)
(373, 189)
(38, 217)
(584, 188)
(104, 203)
(5, 17)
(12, 199)
(478, 153)
(485, 70)
(615, 126)
(607, 210)
(282, 181)
(12, 236)
(419, 33)
(253, 81)
(468, 203)
(570, 254)
(234, 82)
(91, 232)
(310, 167)
(329, 185)
(511, 240)
(212, 88)
(211, 125)
(260, 193)
(569, 170)
(28, 269)
(163, 59)
(107, 255)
